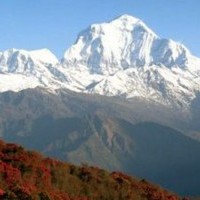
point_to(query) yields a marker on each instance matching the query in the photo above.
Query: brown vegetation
(26, 175)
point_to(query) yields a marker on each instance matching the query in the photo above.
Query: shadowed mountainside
(132, 136)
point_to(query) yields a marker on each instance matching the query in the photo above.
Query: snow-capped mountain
(123, 57)
(123, 43)
(25, 62)
(21, 69)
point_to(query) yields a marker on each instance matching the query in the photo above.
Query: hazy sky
(54, 24)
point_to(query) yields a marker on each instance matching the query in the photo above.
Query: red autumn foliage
(1, 192)
(27, 175)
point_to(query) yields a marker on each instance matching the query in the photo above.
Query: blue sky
(54, 24)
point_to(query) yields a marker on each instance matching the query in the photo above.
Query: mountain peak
(130, 22)
(122, 43)
(44, 56)
(14, 50)
(127, 18)
(13, 59)
(122, 57)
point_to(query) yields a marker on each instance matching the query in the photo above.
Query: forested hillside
(27, 175)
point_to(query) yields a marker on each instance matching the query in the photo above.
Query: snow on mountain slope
(120, 44)
(21, 69)
(150, 82)
(17, 82)
(109, 47)
(123, 57)
(44, 56)
(22, 61)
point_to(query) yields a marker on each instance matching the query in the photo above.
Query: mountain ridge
(135, 136)
(123, 58)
